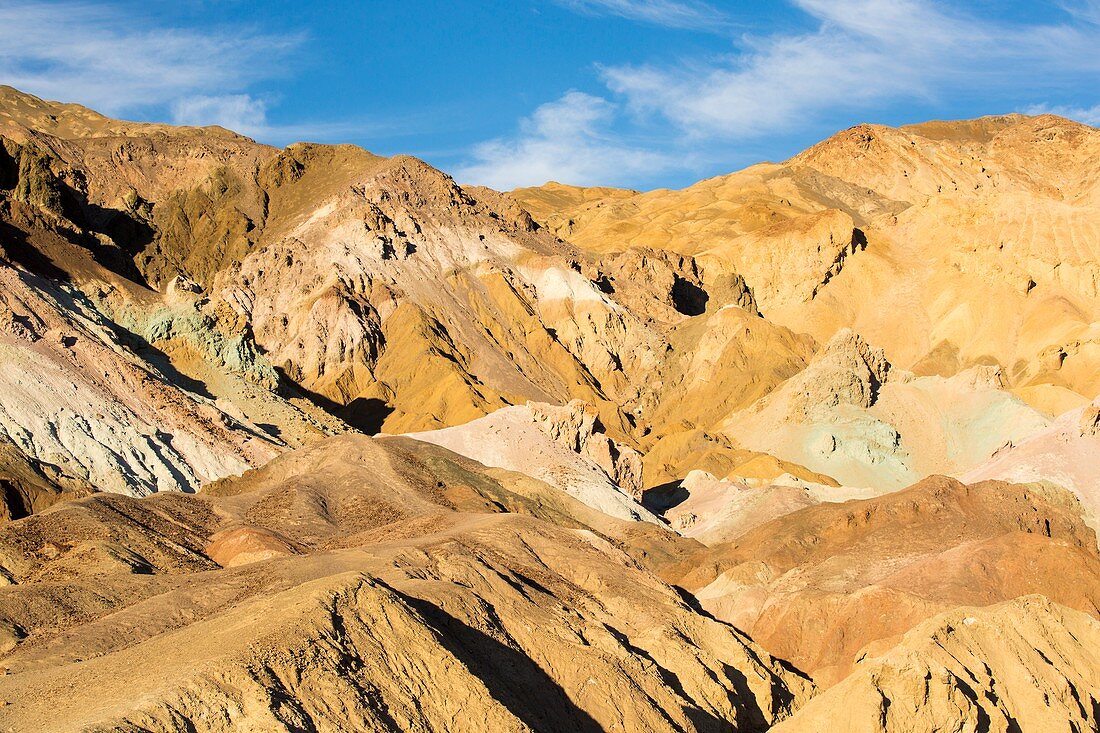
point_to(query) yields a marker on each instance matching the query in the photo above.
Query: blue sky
(638, 93)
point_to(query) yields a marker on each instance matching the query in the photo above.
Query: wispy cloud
(247, 115)
(120, 65)
(859, 57)
(1086, 10)
(88, 51)
(688, 14)
(565, 140)
(241, 112)
(863, 53)
(1088, 115)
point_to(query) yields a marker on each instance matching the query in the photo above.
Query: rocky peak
(847, 370)
(576, 426)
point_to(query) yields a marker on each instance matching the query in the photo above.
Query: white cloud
(1086, 10)
(864, 52)
(247, 115)
(240, 112)
(76, 50)
(690, 14)
(565, 140)
(1087, 115)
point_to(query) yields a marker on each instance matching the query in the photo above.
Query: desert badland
(310, 439)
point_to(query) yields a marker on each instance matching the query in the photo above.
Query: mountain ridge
(310, 438)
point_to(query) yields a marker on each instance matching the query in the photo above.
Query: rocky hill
(314, 439)
(1023, 665)
(366, 584)
(948, 244)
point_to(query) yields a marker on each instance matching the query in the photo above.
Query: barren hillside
(315, 439)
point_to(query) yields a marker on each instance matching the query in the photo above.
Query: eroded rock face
(110, 422)
(820, 418)
(26, 487)
(852, 416)
(847, 370)
(576, 426)
(674, 285)
(561, 445)
(395, 265)
(1090, 421)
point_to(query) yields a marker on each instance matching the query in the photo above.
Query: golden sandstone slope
(946, 244)
(1026, 665)
(651, 439)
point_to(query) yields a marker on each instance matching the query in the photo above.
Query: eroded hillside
(805, 446)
